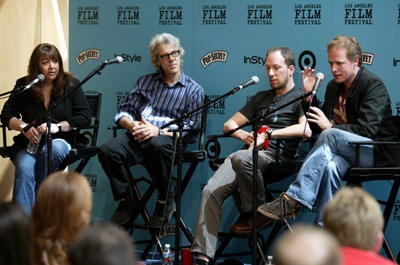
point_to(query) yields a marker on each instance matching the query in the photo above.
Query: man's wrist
(160, 131)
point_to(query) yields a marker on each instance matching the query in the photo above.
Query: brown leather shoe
(246, 226)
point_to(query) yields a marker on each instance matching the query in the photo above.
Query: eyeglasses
(166, 56)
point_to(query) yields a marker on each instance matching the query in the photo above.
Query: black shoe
(159, 217)
(123, 213)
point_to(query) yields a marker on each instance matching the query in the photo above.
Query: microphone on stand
(253, 80)
(117, 60)
(38, 79)
(318, 82)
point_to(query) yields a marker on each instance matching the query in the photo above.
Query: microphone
(38, 79)
(253, 80)
(117, 60)
(318, 82)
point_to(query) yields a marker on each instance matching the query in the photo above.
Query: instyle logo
(128, 15)
(87, 55)
(214, 56)
(88, 15)
(259, 14)
(170, 15)
(254, 59)
(130, 58)
(217, 108)
(214, 15)
(120, 97)
(368, 58)
(308, 14)
(358, 14)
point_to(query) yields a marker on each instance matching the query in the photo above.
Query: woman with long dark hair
(22, 108)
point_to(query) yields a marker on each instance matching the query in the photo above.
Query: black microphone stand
(47, 114)
(254, 123)
(179, 121)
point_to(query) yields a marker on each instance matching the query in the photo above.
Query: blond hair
(355, 217)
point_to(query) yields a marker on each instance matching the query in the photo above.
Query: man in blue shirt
(155, 100)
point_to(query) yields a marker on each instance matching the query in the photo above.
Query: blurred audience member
(15, 235)
(60, 213)
(307, 245)
(102, 245)
(356, 219)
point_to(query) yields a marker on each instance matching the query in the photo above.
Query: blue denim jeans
(325, 166)
(30, 171)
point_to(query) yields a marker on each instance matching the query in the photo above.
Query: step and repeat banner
(225, 43)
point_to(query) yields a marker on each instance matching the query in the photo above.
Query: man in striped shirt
(155, 100)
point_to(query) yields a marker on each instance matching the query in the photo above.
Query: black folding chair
(356, 176)
(191, 158)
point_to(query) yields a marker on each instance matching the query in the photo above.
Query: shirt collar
(182, 79)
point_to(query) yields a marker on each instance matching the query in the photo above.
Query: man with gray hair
(356, 219)
(155, 100)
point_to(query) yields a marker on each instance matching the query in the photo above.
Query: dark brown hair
(63, 78)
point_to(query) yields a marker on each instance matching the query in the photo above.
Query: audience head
(355, 218)
(102, 245)
(164, 38)
(61, 211)
(307, 246)
(15, 235)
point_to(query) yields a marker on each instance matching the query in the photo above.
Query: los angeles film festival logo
(128, 15)
(358, 14)
(259, 14)
(217, 108)
(120, 97)
(398, 16)
(170, 15)
(88, 15)
(87, 55)
(308, 14)
(214, 14)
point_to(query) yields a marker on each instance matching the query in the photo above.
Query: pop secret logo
(86, 55)
(214, 56)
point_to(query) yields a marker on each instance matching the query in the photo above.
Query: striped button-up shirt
(160, 103)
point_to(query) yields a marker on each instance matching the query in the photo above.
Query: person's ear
(379, 242)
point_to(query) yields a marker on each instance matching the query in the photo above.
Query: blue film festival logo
(217, 108)
(92, 178)
(214, 15)
(120, 97)
(358, 14)
(88, 15)
(128, 15)
(398, 16)
(308, 14)
(170, 15)
(86, 55)
(259, 14)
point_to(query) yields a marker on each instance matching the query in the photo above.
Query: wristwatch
(268, 132)
(160, 131)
